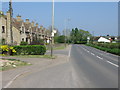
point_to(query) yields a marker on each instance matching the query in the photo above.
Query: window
(23, 29)
(3, 29)
(3, 41)
(22, 39)
(26, 39)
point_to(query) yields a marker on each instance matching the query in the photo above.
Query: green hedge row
(110, 50)
(30, 50)
(81, 42)
(108, 45)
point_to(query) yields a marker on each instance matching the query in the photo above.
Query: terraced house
(21, 31)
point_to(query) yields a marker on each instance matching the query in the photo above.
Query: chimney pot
(27, 20)
(18, 18)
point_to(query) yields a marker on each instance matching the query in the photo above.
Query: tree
(60, 39)
(79, 36)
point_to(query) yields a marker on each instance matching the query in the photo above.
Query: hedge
(30, 50)
(108, 48)
(81, 42)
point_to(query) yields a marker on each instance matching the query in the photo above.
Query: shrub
(30, 50)
(23, 43)
(60, 39)
(5, 49)
(108, 47)
(37, 42)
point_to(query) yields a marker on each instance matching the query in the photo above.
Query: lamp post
(66, 29)
(11, 15)
(52, 28)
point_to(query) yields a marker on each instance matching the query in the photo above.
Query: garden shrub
(30, 50)
(37, 42)
(23, 43)
(113, 48)
(7, 50)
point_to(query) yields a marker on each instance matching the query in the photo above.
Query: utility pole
(92, 36)
(11, 15)
(52, 28)
(66, 32)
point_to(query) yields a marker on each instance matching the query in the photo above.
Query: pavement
(77, 66)
(38, 64)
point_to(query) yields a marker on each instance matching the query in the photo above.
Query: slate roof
(17, 24)
(27, 26)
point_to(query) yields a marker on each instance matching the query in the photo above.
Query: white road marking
(88, 51)
(14, 79)
(112, 63)
(92, 53)
(99, 57)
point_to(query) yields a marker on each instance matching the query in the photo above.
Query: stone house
(21, 31)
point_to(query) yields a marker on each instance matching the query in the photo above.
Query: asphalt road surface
(86, 68)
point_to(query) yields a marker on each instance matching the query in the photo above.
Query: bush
(37, 42)
(81, 42)
(30, 50)
(60, 39)
(23, 43)
(7, 50)
(108, 47)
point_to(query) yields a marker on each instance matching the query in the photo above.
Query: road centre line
(99, 57)
(88, 51)
(92, 53)
(102, 58)
(112, 63)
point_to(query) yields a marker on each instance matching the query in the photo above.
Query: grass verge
(115, 51)
(7, 64)
(57, 47)
(34, 56)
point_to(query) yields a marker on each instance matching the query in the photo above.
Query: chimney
(41, 27)
(8, 28)
(27, 21)
(32, 23)
(37, 25)
(18, 18)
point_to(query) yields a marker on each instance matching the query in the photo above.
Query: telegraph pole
(52, 28)
(11, 15)
(66, 31)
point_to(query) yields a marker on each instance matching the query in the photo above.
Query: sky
(98, 17)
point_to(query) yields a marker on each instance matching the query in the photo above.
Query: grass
(57, 47)
(16, 62)
(34, 56)
(115, 51)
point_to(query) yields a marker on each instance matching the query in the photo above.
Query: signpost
(88, 40)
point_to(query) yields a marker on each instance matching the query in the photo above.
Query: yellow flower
(4, 47)
(6, 50)
(11, 47)
(13, 50)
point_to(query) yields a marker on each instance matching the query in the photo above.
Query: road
(85, 67)
(98, 69)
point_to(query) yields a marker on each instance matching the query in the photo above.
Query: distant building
(103, 39)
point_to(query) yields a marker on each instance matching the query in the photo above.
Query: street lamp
(66, 29)
(52, 28)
